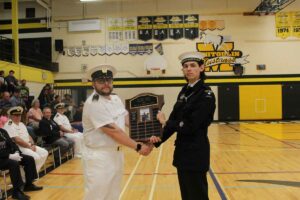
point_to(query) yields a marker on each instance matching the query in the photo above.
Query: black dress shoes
(20, 195)
(32, 187)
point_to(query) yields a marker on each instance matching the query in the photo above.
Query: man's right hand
(15, 156)
(154, 139)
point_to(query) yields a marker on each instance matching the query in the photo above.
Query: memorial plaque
(143, 109)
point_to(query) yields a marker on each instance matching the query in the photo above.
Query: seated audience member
(5, 101)
(16, 99)
(65, 126)
(70, 106)
(3, 117)
(24, 92)
(34, 114)
(45, 96)
(53, 135)
(3, 83)
(18, 132)
(12, 82)
(10, 159)
(57, 99)
(77, 118)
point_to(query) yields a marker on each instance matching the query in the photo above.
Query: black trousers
(14, 170)
(193, 185)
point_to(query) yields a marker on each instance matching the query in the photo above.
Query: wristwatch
(138, 147)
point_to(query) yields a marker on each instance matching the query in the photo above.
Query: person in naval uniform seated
(11, 158)
(65, 126)
(18, 132)
(191, 115)
(104, 118)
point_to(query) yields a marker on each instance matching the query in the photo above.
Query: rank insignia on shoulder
(208, 93)
(9, 122)
(56, 115)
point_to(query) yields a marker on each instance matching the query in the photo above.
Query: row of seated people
(57, 131)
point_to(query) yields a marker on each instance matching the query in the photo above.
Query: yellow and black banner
(145, 28)
(160, 27)
(191, 26)
(176, 27)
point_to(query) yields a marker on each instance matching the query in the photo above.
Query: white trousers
(77, 138)
(103, 170)
(40, 156)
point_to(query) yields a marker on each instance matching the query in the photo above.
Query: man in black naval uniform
(10, 159)
(191, 115)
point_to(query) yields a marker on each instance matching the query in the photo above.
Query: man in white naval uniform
(65, 126)
(104, 117)
(18, 132)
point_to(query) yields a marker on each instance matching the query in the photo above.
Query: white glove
(15, 156)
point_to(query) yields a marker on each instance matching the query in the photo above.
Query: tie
(95, 97)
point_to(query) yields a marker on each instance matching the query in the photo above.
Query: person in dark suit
(10, 159)
(191, 115)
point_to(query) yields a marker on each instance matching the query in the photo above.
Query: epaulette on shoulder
(10, 122)
(56, 115)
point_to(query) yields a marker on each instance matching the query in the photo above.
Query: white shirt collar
(192, 84)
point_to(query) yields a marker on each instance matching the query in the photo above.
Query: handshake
(147, 147)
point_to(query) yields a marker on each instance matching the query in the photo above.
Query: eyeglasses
(102, 81)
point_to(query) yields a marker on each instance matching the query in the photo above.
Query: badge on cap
(103, 71)
(191, 56)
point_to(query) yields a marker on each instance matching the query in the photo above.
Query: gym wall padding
(290, 101)
(259, 102)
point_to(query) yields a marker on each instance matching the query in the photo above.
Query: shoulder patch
(56, 115)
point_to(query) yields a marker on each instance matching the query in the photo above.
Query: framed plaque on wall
(143, 109)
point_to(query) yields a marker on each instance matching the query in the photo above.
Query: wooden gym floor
(248, 161)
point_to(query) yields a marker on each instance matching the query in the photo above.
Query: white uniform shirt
(62, 120)
(17, 130)
(98, 113)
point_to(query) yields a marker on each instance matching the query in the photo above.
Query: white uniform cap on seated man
(103, 71)
(190, 56)
(59, 106)
(17, 110)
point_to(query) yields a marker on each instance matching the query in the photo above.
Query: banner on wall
(283, 24)
(295, 18)
(110, 49)
(115, 29)
(130, 28)
(211, 25)
(175, 27)
(140, 49)
(160, 27)
(145, 28)
(191, 26)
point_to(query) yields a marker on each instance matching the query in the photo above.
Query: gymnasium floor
(248, 161)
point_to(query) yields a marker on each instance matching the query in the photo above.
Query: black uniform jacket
(7, 146)
(49, 129)
(191, 115)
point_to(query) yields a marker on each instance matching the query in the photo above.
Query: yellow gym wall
(259, 102)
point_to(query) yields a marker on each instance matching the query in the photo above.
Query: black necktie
(95, 97)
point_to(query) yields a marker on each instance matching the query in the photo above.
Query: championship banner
(176, 27)
(130, 28)
(115, 29)
(140, 49)
(191, 26)
(283, 26)
(211, 25)
(145, 28)
(160, 27)
(295, 17)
